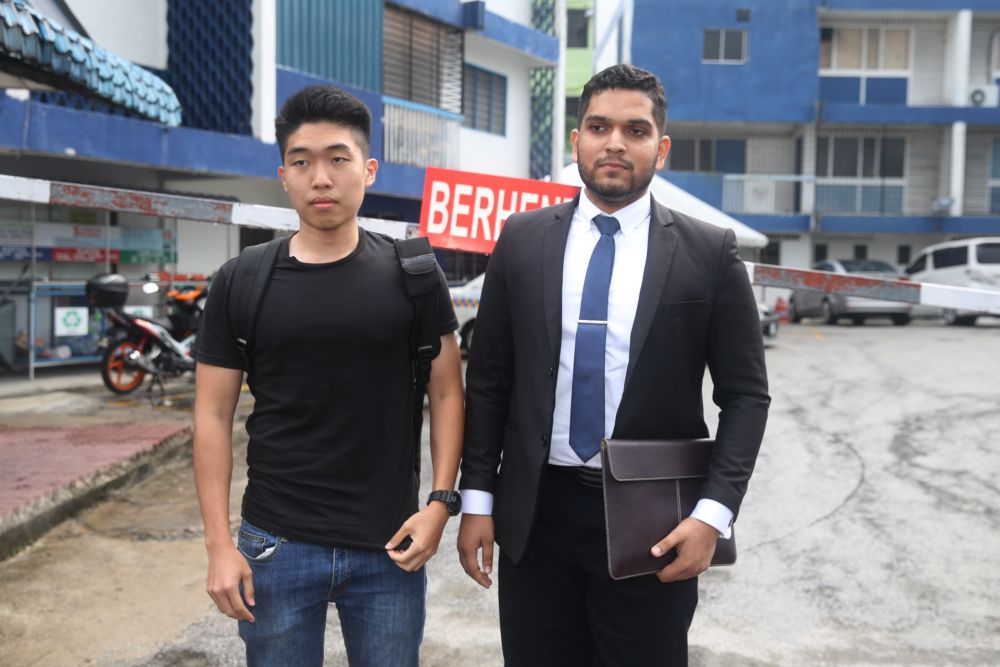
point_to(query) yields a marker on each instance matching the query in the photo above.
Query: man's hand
(227, 569)
(424, 529)
(695, 544)
(475, 533)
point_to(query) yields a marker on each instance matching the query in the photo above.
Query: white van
(965, 263)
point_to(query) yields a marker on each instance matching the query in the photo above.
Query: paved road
(869, 535)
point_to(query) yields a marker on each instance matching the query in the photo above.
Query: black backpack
(252, 275)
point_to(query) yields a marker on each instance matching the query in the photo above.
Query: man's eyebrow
(631, 121)
(329, 149)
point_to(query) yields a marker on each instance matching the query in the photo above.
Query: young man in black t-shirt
(330, 511)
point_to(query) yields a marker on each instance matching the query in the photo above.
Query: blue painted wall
(910, 5)
(704, 186)
(904, 115)
(779, 82)
(774, 223)
(42, 128)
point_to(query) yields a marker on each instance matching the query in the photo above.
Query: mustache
(613, 160)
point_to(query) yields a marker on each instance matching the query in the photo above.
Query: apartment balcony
(860, 196)
(767, 202)
(418, 135)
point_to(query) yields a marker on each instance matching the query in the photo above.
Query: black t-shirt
(331, 456)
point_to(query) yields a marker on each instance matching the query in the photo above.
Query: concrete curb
(28, 523)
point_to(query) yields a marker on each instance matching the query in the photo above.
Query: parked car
(465, 300)
(966, 263)
(834, 307)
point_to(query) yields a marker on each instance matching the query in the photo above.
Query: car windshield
(988, 253)
(866, 266)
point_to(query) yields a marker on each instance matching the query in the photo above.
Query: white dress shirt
(631, 245)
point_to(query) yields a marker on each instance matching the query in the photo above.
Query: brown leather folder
(650, 486)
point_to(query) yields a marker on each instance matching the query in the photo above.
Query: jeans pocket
(258, 545)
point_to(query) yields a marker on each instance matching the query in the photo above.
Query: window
(988, 253)
(577, 29)
(820, 252)
(919, 265)
(871, 49)
(860, 252)
(724, 46)
(854, 156)
(903, 254)
(484, 100)
(771, 254)
(709, 155)
(572, 120)
(947, 257)
(421, 60)
(860, 174)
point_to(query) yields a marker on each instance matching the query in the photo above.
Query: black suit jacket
(696, 310)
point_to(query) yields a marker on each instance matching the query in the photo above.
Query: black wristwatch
(451, 499)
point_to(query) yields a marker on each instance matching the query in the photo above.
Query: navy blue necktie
(586, 416)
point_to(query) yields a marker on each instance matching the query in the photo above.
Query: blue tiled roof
(40, 43)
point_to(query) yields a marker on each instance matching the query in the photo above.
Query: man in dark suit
(598, 317)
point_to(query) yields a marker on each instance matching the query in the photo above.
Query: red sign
(83, 254)
(466, 211)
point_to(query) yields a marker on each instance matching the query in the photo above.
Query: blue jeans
(381, 607)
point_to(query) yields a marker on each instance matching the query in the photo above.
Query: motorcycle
(135, 346)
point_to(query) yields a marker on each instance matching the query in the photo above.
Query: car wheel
(950, 316)
(793, 312)
(900, 320)
(827, 311)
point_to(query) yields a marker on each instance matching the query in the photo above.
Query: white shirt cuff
(475, 501)
(708, 511)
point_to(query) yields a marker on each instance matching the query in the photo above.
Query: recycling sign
(71, 321)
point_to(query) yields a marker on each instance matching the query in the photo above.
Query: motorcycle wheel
(118, 374)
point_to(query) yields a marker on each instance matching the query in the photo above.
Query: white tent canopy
(681, 200)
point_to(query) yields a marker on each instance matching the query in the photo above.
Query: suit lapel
(659, 257)
(553, 253)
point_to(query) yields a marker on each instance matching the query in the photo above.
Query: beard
(616, 190)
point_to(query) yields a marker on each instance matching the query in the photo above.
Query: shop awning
(37, 49)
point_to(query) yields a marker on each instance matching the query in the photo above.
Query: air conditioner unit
(760, 196)
(986, 95)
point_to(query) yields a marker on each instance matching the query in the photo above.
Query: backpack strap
(420, 278)
(246, 292)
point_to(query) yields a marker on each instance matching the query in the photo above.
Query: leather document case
(650, 486)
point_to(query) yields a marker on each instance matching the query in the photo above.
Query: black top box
(107, 290)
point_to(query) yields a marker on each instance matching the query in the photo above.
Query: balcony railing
(856, 195)
(763, 193)
(420, 136)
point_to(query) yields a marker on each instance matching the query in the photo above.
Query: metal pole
(32, 303)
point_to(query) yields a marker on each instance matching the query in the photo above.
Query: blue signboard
(20, 253)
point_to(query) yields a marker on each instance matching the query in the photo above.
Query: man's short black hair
(323, 104)
(627, 77)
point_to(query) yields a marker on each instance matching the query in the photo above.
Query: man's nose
(616, 142)
(321, 177)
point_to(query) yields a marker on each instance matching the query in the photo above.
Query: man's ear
(574, 136)
(281, 177)
(661, 152)
(371, 168)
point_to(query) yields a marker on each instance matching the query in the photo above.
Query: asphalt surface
(868, 537)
